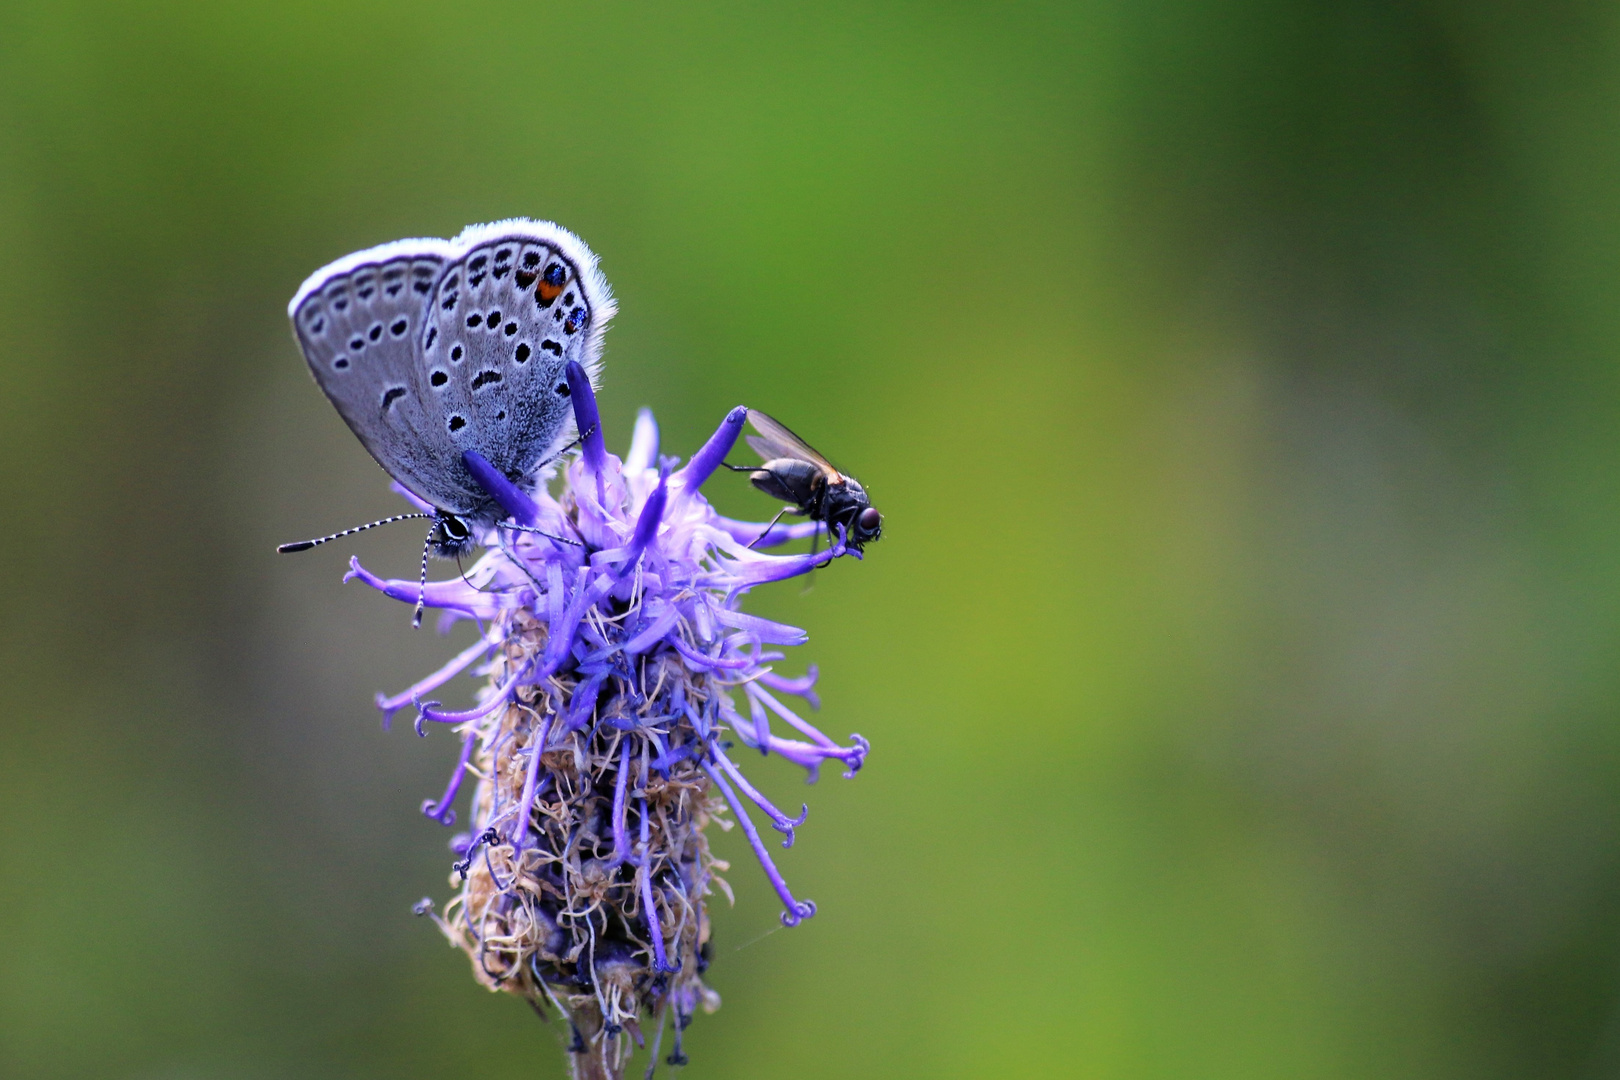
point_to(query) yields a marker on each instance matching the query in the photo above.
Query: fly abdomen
(790, 480)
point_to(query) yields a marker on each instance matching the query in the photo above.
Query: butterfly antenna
(421, 591)
(305, 545)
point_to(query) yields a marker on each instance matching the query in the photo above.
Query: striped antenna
(305, 545)
(421, 592)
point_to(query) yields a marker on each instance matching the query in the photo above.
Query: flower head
(621, 668)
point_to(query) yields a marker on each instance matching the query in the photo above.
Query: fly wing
(776, 441)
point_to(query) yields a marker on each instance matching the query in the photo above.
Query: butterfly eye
(871, 521)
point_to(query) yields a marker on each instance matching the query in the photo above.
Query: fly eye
(871, 521)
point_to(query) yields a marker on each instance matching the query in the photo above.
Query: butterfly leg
(539, 532)
(578, 441)
(512, 556)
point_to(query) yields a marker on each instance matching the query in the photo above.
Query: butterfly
(431, 349)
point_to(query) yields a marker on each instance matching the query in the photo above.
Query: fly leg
(815, 546)
(767, 530)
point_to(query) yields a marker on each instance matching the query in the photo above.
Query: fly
(795, 473)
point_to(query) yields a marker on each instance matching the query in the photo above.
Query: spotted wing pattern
(429, 348)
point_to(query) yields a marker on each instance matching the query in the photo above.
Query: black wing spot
(474, 319)
(357, 344)
(399, 327)
(375, 332)
(455, 353)
(341, 362)
(474, 279)
(531, 259)
(510, 328)
(456, 423)
(524, 279)
(569, 299)
(494, 320)
(561, 389)
(485, 377)
(501, 415)
(433, 334)
(340, 303)
(449, 301)
(551, 346)
(365, 293)
(522, 353)
(477, 262)
(576, 319)
(390, 395)
(319, 326)
(503, 254)
(393, 290)
(556, 275)
(438, 378)
(421, 286)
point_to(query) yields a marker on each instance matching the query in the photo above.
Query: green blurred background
(1242, 656)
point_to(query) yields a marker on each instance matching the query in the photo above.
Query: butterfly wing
(359, 322)
(428, 348)
(520, 301)
(776, 441)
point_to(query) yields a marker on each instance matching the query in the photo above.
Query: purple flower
(622, 677)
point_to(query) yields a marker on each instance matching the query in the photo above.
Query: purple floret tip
(518, 506)
(586, 418)
(713, 452)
